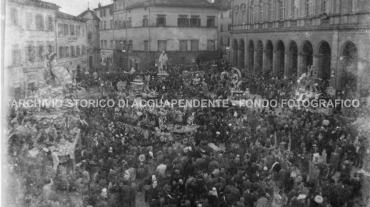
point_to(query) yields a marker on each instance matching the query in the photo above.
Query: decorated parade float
(50, 131)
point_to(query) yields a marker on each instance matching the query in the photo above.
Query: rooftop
(87, 11)
(37, 3)
(175, 3)
(62, 15)
(102, 7)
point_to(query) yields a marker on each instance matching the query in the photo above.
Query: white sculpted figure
(162, 63)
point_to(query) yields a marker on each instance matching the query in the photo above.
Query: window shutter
(26, 55)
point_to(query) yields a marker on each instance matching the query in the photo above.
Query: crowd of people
(258, 159)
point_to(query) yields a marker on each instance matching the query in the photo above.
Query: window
(195, 21)
(111, 10)
(14, 16)
(60, 29)
(66, 30)
(256, 12)
(146, 45)
(101, 13)
(111, 44)
(16, 56)
(308, 8)
(119, 24)
(83, 50)
(39, 22)
(145, 21)
(221, 27)
(270, 12)
(78, 51)
(265, 12)
(83, 31)
(211, 21)
(50, 23)
(222, 15)
(72, 51)
(124, 45)
(260, 13)
(129, 22)
(72, 29)
(66, 51)
(29, 21)
(89, 37)
(130, 46)
(243, 8)
(106, 44)
(111, 24)
(294, 12)
(211, 45)
(194, 45)
(353, 6)
(78, 29)
(229, 27)
(162, 45)
(30, 53)
(40, 53)
(183, 21)
(183, 45)
(161, 21)
(281, 10)
(61, 49)
(250, 13)
(50, 47)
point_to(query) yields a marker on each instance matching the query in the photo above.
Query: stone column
(317, 62)
(255, 66)
(274, 61)
(301, 64)
(286, 64)
(264, 61)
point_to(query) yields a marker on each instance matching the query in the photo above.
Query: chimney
(99, 5)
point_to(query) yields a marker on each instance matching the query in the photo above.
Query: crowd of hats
(114, 164)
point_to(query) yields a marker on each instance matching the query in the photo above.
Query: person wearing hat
(334, 162)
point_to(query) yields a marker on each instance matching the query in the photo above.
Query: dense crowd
(300, 159)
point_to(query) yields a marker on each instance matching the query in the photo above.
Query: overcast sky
(76, 7)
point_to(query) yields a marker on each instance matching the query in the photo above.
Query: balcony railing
(293, 23)
(308, 22)
(325, 22)
(279, 24)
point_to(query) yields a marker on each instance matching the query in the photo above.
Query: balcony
(293, 23)
(308, 22)
(325, 22)
(281, 24)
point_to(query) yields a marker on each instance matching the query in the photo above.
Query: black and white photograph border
(185, 103)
